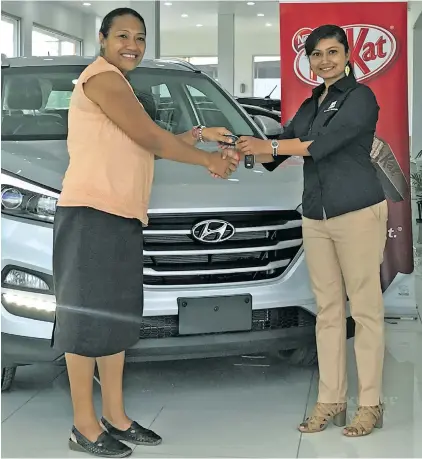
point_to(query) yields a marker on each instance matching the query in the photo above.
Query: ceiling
(201, 12)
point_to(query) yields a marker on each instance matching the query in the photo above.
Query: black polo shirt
(339, 176)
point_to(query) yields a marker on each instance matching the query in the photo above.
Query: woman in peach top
(97, 258)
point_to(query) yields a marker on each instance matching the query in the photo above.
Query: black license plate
(217, 314)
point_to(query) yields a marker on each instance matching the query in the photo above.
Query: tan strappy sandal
(365, 421)
(322, 414)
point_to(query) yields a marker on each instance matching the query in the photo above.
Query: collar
(341, 85)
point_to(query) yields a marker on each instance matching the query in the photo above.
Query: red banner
(377, 35)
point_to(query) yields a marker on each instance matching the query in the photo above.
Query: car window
(35, 101)
(58, 100)
(208, 112)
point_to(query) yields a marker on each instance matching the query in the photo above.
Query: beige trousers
(344, 255)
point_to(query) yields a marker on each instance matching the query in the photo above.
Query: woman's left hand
(216, 134)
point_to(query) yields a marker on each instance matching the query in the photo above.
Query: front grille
(263, 319)
(263, 246)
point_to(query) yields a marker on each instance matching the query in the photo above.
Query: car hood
(177, 187)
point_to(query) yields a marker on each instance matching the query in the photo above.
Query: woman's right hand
(248, 145)
(222, 166)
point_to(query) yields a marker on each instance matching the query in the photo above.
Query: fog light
(22, 279)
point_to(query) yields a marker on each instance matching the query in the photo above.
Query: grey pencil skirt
(97, 271)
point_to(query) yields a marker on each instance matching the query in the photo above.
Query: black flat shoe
(136, 434)
(105, 446)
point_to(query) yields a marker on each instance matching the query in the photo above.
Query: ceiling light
(268, 24)
(261, 15)
(86, 4)
(199, 25)
(168, 3)
(184, 15)
(250, 3)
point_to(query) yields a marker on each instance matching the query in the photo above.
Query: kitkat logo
(371, 50)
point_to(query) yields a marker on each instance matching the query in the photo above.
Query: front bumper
(27, 340)
(21, 350)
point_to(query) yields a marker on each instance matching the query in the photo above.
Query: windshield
(35, 101)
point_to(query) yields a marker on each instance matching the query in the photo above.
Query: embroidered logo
(332, 107)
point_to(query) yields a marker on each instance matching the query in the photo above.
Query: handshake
(223, 163)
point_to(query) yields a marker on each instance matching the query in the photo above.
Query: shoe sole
(80, 449)
(134, 442)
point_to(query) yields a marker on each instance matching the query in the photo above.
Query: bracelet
(197, 133)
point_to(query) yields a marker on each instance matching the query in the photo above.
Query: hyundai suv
(243, 289)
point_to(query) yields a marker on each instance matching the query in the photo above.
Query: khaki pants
(344, 255)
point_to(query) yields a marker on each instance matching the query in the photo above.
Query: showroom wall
(247, 45)
(46, 14)
(252, 38)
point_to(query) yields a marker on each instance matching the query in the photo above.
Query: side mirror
(269, 126)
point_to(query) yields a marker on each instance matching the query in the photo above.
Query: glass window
(68, 48)
(49, 43)
(266, 71)
(44, 44)
(58, 100)
(35, 101)
(209, 113)
(9, 33)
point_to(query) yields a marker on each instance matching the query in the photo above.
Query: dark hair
(109, 18)
(327, 31)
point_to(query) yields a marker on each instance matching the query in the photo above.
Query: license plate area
(217, 314)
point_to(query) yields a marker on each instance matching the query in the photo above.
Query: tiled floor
(236, 407)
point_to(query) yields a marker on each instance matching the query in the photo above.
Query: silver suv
(241, 286)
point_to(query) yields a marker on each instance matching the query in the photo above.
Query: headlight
(25, 200)
(27, 204)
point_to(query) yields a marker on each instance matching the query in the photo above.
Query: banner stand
(377, 35)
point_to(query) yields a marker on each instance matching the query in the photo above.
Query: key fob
(249, 161)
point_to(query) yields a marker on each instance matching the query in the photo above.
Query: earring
(347, 70)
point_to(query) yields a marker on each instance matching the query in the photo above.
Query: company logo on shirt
(372, 49)
(332, 107)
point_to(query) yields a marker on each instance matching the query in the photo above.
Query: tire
(303, 356)
(7, 378)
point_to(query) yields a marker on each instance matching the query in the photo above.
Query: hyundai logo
(213, 231)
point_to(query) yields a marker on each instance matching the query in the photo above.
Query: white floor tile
(401, 435)
(28, 382)
(46, 421)
(228, 432)
(235, 407)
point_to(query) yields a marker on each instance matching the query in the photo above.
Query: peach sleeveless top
(107, 170)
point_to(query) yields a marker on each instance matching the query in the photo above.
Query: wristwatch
(274, 145)
(249, 161)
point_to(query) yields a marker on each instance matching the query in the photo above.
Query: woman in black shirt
(344, 227)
